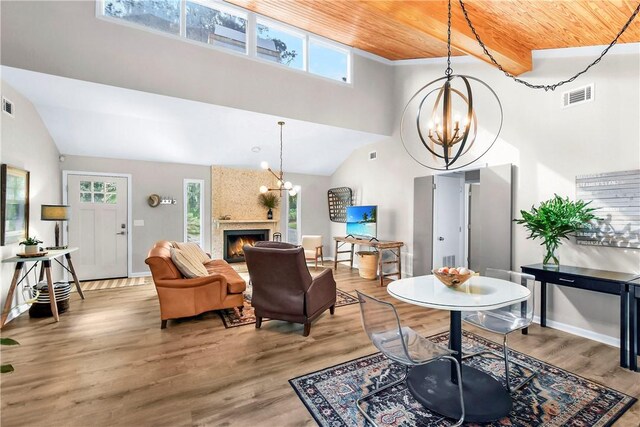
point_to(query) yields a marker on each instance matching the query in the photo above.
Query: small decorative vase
(30, 249)
(269, 214)
(551, 258)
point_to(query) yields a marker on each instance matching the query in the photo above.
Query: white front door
(448, 219)
(98, 225)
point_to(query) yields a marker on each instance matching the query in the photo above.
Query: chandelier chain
(281, 125)
(551, 87)
(449, 70)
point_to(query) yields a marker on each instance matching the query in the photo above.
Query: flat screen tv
(362, 221)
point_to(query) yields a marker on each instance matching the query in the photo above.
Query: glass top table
(435, 384)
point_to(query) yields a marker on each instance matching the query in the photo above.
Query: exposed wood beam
(430, 17)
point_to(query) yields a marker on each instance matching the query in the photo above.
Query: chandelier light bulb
(264, 165)
(263, 189)
(292, 192)
(288, 185)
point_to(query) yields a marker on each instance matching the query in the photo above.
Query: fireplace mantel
(218, 222)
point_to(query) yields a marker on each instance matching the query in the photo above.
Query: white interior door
(98, 225)
(448, 221)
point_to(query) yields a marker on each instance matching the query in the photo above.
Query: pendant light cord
(281, 174)
(449, 70)
(516, 79)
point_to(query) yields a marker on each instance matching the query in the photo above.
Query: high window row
(227, 27)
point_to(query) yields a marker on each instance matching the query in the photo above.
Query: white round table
(435, 384)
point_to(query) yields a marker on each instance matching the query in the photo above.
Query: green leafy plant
(554, 220)
(8, 367)
(268, 200)
(31, 241)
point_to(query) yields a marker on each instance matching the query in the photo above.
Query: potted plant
(553, 220)
(31, 245)
(269, 201)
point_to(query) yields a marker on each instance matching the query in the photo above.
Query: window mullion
(252, 35)
(183, 18)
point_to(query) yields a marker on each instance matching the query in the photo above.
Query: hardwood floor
(107, 362)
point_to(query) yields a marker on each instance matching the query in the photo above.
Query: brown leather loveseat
(283, 288)
(184, 297)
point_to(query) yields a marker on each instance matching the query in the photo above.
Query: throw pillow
(188, 266)
(194, 251)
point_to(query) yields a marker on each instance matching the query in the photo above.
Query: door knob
(122, 232)
(441, 238)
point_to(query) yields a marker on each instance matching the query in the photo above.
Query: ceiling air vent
(577, 96)
(7, 106)
(373, 155)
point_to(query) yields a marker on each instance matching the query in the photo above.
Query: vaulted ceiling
(511, 29)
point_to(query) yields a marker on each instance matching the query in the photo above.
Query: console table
(45, 269)
(607, 282)
(379, 245)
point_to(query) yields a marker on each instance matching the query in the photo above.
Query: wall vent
(373, 155)
(577, 96)
(7, 106)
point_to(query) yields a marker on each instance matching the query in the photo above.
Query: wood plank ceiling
(511, 29)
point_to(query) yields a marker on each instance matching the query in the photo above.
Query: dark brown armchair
(283, 288)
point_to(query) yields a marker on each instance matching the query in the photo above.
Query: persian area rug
(232, 318)
(553, 398)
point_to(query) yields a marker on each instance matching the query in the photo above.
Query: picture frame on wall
(14, 209)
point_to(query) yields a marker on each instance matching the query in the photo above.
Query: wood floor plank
(108, 363)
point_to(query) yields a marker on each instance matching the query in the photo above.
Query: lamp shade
(54, 212)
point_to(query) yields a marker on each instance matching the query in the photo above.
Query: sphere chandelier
(281, 184)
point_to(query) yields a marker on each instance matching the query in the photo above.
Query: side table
(45, 269)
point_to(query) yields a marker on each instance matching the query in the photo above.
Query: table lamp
(55, 213)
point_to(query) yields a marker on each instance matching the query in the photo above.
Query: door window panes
(277, 45)
(216, 27)
(162, 15)
(98, 192)
(194, 212)
(328, 62)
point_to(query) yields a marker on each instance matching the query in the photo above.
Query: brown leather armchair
(182, 297)
(283, 288)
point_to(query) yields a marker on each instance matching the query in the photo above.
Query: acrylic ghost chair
(505, 320)
(399, 343)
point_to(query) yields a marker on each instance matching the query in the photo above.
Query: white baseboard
(585, 333)
(141, 274)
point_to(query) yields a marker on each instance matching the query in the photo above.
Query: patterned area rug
(553, 398)
(231, 317)
(114, 283)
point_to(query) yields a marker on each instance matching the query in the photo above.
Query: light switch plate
(138, 222)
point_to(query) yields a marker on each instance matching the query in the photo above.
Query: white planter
(30, 249)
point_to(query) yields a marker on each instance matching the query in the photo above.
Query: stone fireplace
(235, 208)
(234, 241)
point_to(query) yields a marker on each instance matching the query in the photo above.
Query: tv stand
(379, 245)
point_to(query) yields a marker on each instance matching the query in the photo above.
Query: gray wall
(313, 207)
(164, 222)
(65, 38)
(548, 145)
(26, 144)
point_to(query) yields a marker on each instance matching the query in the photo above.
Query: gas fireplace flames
(234, 249)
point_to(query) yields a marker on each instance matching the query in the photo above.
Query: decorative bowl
(452, 280)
